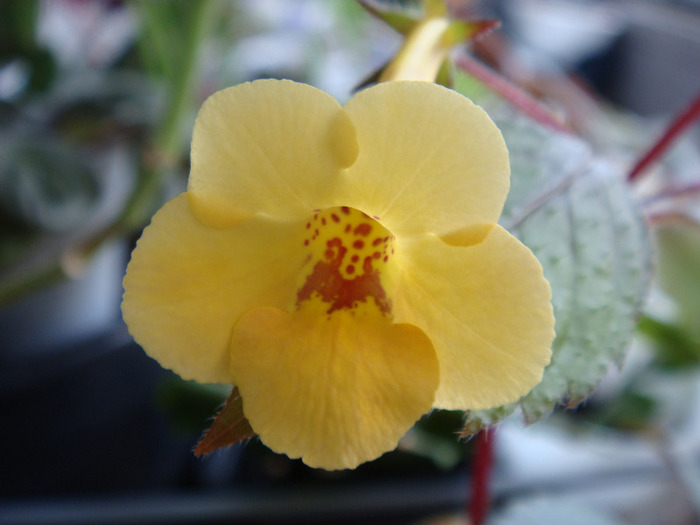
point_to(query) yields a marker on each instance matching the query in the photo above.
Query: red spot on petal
(348, 228)
(363, 229)
(306, 242)
(358, 244)
(377, 241)
(308, 225)
(376, 255)
(345, 210)
(330, 254)
(335, 217)
(355, 258)
(386, 258)
(323, 221)
(328, 282)
(316, 233)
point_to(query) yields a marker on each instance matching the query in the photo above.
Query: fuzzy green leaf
(678, 241)
(45, 185)
(576, 214)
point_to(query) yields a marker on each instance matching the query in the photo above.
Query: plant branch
(481, 482)
(181, 78)
(685, 118)
(520, 98)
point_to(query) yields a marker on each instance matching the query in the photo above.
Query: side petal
(486, 309)
(429, 161)
(187, 284)
(269, 147)
(334, 391)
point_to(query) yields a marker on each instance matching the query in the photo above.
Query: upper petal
(487, 311)
(333, 390)
(271, 147)
(187, 284)
(429, 161)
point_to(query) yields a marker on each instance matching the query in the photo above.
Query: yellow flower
(342, 266)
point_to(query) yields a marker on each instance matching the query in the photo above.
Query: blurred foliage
(18, 44)
(572, 208)
(67, 121)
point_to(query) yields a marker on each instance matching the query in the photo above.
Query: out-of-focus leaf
(103, 106)
(18, 43)
(675, 347)
(17, 25)
(45, 186)
(15, 240)
(577, 215)
(678, 242)
(632, 410)
(551, 512)
(432, 437)
(189, 404)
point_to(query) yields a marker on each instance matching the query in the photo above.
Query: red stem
(483, 465)
(512, 93)
(672, 192)
(689, 115)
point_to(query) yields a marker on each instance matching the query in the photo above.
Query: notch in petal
(268, 147)
(429, 161)
(187, 285)
(487, 310)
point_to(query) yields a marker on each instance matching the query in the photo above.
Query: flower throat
(348, 251)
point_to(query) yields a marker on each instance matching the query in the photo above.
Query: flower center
(347, 252)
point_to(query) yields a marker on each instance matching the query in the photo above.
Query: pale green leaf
(44, 185)
(577, 214)
(678, 242)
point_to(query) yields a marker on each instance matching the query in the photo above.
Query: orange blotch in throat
(336, 278)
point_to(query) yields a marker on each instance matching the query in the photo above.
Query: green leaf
(578, 217)
(678, 242)
(229, 427)
(17, 25)
(187, 403)
(675, 347)
(45, 186)
(104, 106)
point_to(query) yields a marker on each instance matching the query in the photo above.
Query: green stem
(167, 140)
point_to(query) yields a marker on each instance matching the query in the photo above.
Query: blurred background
(97, 102)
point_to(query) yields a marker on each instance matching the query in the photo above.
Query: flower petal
(270, 147)
(429, 161)
(487, 311)
(187, 285)
(335, 391)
